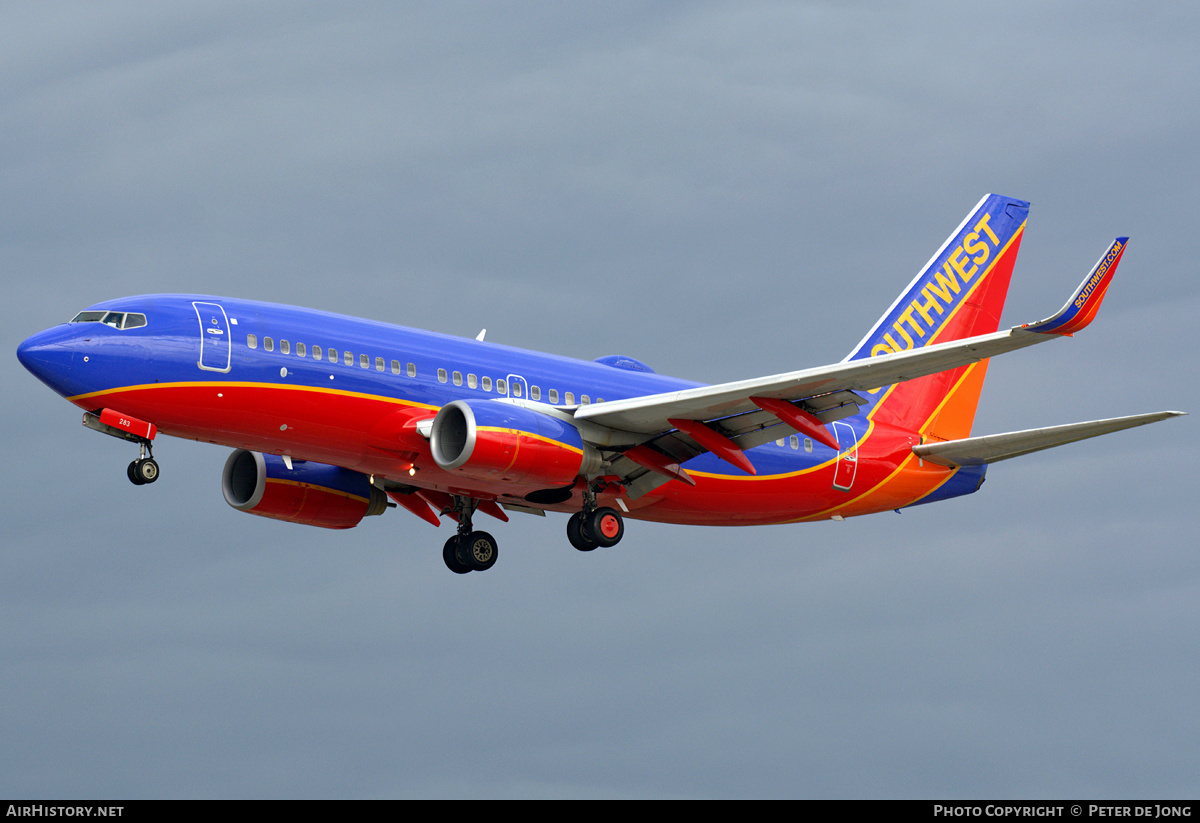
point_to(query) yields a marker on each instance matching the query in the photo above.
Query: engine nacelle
(310, 493)
(502, 442)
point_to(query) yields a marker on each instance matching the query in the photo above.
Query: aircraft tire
(131, 473)
(604, 527)
(575, 533)
(146, 470)
(481, 551)
(450, 556)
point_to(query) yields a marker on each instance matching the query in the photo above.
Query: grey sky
(720, 190)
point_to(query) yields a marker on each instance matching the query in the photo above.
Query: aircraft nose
(48, 355)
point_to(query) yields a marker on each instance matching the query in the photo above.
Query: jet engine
(310, 493)
(502, 442)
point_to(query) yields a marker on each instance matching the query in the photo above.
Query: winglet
(1085, 302)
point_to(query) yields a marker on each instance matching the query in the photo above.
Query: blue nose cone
(50, 356)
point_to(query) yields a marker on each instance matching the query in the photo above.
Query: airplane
(334, 418)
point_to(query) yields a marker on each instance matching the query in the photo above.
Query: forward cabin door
(215, 346)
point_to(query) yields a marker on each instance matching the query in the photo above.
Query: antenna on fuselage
(482, 332)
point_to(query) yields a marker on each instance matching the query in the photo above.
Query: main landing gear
(599, 527)
(475, 551)
(595, 525)
(469, 550)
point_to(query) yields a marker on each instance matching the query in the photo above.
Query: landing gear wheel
(450, 556)
(481, 551)
(575, 533)
(468, 550)
(131, 473)
(146, 470)
(603, 527)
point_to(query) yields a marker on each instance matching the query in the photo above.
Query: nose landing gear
(143, 470)
(115, 424)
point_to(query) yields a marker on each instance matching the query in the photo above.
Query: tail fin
(959, 293)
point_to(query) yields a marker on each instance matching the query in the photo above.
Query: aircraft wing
(653, 414)
(976, 451)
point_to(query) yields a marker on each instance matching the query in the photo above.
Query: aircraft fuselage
(317, 386)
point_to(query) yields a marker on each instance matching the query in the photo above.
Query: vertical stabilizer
(959, 293)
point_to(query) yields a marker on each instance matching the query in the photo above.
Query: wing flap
(977, 451)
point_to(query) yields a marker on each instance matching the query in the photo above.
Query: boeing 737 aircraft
(331, 417)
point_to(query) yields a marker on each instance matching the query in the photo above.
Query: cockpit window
(116, 319)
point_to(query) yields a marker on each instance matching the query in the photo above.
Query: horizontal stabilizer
(976, 451)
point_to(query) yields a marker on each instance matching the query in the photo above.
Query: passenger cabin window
(584, 400)
(569, 399)
(378, 364)
(808, 444)
(516, 389)
(300, 350)
(317, 353)
(554, 395)
(501, 386)
(395, 367)
(535, 393)
(364, 361)
(472, 381)
(794, 441)
(252, 341)
(441, 375)
(348, 358)
(285, 347)
(457, 376)
(268, 344)
(487, 384)
(412, 369)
